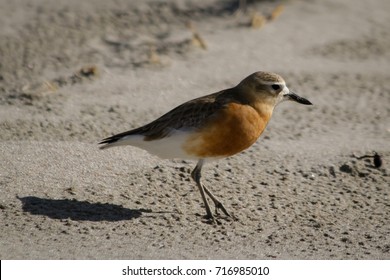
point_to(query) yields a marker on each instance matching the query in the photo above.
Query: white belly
(169, 147)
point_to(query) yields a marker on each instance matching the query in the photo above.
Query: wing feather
(192, 114)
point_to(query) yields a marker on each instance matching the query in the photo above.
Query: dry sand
(298, 193)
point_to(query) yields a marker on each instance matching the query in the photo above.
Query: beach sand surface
(74, 72)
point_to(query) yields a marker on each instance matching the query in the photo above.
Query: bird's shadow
(78, 210)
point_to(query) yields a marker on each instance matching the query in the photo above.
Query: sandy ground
(298, 193)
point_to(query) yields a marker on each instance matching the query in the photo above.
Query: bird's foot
(219, 205)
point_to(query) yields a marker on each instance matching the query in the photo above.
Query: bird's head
(268, 89)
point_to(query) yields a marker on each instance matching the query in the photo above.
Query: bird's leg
(196, 175)
(218, 204)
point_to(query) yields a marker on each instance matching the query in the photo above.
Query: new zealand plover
(211, 127)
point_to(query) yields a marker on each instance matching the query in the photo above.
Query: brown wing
(191, 114)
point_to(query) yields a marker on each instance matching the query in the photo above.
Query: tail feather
(108, 142)
(116, 139)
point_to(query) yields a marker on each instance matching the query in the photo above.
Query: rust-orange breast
(233, 130)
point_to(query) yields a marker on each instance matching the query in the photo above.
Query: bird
(211, 127)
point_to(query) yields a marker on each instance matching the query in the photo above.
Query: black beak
(292, 96)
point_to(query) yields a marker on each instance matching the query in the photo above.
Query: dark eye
(275, 87)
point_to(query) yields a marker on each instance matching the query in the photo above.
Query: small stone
(346, 168)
